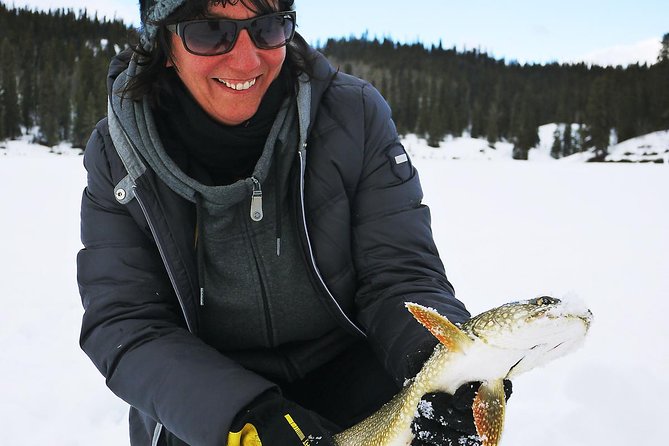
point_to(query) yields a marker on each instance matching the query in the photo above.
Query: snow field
(505, 230)
(511, 231)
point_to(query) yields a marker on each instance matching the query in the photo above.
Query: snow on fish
(498, 344)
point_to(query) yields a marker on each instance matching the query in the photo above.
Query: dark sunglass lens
(209, 37)
(272, 31)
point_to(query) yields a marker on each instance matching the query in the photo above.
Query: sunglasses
(218, 36)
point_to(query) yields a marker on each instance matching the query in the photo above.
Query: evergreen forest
(436, 92)
(54, 64)
(53, 72)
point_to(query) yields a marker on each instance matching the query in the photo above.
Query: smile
(238, 86)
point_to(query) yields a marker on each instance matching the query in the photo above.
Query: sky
(595, 31)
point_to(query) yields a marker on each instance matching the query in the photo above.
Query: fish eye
(545, 300)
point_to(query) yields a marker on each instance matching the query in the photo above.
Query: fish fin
(448, 334)
(489, 408)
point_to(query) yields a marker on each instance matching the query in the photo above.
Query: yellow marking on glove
(248, 436)
(305, 441)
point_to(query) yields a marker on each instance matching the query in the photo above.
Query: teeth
(238, 86)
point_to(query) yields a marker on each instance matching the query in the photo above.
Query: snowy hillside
(22, 148)
(653, 147)
(647, 148)
(505, 231)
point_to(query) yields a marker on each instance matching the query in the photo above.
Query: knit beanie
(153, 11)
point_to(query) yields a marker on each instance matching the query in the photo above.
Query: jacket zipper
(310, 252)
(256, 201)
(155, 233)
(263, 291)
(164, 257)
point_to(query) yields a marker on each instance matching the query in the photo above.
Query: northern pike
(498, 344)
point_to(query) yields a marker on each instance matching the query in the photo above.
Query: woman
(252, 228)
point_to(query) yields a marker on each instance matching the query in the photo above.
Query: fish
(495, 345)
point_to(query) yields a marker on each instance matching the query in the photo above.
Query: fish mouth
(549, 350)
(557, 346)
(532, 348)
(514, 366)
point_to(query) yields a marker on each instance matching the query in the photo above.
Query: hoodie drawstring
(277, 204)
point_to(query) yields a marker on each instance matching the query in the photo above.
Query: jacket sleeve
(395, 256)
(133, 329)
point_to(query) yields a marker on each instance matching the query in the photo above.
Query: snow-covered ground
(506, 230)
(647, 148)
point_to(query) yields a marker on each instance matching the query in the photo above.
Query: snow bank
(506, 231)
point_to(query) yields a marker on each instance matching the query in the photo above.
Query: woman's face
(210, 79)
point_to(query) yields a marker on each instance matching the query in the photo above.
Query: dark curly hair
(152, 79)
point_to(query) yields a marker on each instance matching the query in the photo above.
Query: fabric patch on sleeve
(400, 164)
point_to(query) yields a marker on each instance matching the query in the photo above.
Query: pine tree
(582, 140)
(11, 115)
(523, 127)
(664, 51)
(492, 130)
(477, 122)
(81, 99)
(567, 141)
(436, 127)
(27, 80)
(27, 88)
(598, 117)
(556, 149)
(48, 103)
(425, 103)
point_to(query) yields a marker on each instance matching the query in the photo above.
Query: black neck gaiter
(198, 143)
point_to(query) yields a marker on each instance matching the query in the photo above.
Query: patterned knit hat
(153, 11)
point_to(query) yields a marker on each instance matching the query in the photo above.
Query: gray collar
(136, 139)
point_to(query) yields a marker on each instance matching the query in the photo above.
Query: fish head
(536, 330)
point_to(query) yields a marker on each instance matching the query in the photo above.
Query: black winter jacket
(365, 235)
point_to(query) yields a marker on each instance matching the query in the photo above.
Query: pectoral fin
(489, 407)
(448, 334)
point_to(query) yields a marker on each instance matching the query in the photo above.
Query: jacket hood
(118, 65)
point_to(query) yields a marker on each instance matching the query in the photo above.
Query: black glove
(448, 420)
(419, 356)
(277, 421)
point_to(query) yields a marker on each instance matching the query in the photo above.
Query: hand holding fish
(494, 346)
(445, 419)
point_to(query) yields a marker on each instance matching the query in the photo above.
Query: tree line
(435, 92)
(54, 65)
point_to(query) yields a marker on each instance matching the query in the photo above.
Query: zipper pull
(256, 201)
